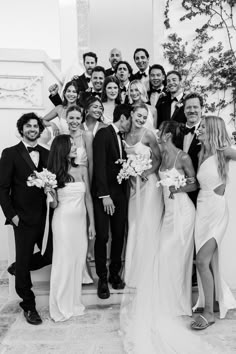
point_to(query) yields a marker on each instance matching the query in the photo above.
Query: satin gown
(150, 320)
(211, 222)
(70, 242)
(145, 212)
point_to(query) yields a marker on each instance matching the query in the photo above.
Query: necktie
(123, 89)
(143, 74)
(120, 135)
(189, 130)
(88, 79)
(174, 99)
(30, 148)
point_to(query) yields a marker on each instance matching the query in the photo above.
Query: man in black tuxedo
(97, 80)
(115, 57)
(25, 208)
(193, 104)
(171, 105)
(109, 198)
(141, 59)
(83, 81)
(123, 73)
(157, 83)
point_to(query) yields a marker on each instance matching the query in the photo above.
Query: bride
(151, 316)
(145, 201)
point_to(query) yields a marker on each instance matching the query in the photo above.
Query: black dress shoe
(103, 289)
(32, 317)
(12, 269)
(116, 282)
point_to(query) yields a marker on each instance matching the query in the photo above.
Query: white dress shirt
(34, 154)
(188, 138)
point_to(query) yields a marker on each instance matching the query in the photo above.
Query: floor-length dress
(145, 213)
(211, 222)
(69, 252)
(149, 316)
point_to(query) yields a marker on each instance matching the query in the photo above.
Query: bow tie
(156, 90)
(30, 148)
(189, 130)
(143, 74)
(96, 94)
(174, 99)
(88, 79)
(123, 89)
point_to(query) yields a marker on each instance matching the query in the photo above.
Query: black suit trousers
(26, 237)
(117, 223)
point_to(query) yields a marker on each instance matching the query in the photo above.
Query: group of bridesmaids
(162, 230)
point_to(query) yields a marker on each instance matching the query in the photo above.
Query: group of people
(104, 116)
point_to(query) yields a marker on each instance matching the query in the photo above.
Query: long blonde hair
(218, 140)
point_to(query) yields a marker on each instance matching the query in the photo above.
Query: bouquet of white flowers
(133, 166)
(173, 178)
(43, 179)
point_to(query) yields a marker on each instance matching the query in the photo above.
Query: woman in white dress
(110, 98)
(150, 316)
(93, 111)
(212, 220)
(145, 201)
(69, 227)
(138, 94)
(58, 113)
(83, 138)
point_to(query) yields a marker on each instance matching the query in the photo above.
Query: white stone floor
(96, 332)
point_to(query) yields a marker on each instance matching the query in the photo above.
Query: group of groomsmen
(23, 205)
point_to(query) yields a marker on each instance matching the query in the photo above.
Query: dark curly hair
(24, 120)
(58, 161)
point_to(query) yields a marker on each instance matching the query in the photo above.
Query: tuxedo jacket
(193, 150)
(109, 72)
(16, 198)
(105, 170)
(164, 111)
(82, 84)
(159, 99)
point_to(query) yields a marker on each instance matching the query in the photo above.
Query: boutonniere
(179, 104)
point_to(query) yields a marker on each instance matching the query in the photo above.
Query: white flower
(134, 166)
(42, 179)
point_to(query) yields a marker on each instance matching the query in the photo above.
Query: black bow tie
(143, 74)
(30, 148)
(156, 90)
(189, 130)
(88, 79)
(123, 89)
(174, 99)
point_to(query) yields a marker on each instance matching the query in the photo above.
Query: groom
(109, 198)
(25, 208)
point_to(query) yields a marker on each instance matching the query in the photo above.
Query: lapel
(85, 83)
(177, 108)
(194, 144)
(114, 137)
(24, 153)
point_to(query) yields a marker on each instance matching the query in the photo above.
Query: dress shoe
(12, 269)
(103, 289)
(32, 317)
(116, 282)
